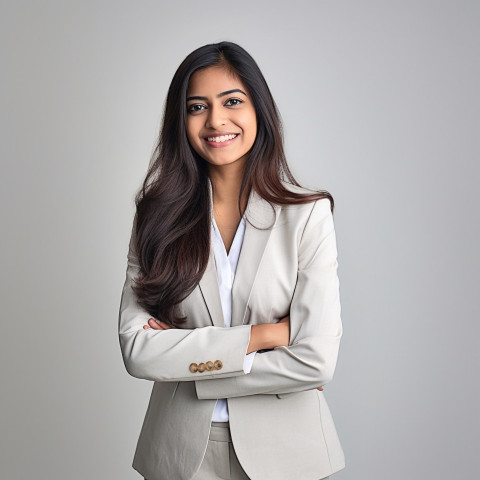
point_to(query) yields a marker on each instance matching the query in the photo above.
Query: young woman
(231, 301)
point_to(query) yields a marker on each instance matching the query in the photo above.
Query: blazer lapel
(261, 219)
(209, 283)
(209, 288)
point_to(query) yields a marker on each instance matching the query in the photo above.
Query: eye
(232, 102)
(196, 107)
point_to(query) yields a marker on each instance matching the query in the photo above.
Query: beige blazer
(280, 423)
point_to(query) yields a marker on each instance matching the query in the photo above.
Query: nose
(215, 118)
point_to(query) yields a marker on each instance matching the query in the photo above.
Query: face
(221, 119)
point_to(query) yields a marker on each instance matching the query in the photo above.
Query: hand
(156, 325)
(286, 333)
(267, 336)
(286, 319)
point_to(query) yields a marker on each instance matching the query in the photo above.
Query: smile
(221, 138)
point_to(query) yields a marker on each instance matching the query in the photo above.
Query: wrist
(267, 336)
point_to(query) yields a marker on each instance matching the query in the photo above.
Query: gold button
(209, 365)
(218, 364)
(193, 367)
(201, 367)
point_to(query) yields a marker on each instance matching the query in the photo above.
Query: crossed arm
(300, 351)
(263, 337)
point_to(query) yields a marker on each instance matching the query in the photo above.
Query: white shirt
(226, 265)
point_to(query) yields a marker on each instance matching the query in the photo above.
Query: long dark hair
(172, 228)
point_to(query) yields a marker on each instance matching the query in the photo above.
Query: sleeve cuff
(248, 362)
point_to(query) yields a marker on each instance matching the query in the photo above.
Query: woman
(231, 302)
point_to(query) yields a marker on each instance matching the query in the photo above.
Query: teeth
(221, 138)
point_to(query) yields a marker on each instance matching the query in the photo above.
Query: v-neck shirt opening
(226, 266)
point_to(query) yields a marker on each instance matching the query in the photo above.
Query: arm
(263, 337)
(262, 341)
(310, 359)
(167, 355)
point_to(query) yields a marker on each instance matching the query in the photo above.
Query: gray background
(380, 104)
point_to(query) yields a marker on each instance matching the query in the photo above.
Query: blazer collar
(261, 217)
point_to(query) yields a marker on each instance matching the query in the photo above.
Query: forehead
(213, 80)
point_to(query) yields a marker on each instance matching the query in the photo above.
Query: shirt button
(193, 367)
(201, 367)
(218, 364)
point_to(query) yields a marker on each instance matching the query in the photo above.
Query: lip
(221, 144)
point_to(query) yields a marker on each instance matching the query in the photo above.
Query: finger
(153, 324)
(165, 326)
(158, 324)
(145, 327)
(320, 388)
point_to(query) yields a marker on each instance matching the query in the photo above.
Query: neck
(226, 181)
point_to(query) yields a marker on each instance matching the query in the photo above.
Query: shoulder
(307, 216)
(321, 205)
(308, 219)
(264, 214)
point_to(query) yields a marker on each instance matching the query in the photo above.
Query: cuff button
(201, 367)
(218, 365)
(209, 366)
(193, 367)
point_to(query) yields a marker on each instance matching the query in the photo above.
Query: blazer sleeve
(315, 324)
(166, 355)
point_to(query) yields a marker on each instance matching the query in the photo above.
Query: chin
(224, 161)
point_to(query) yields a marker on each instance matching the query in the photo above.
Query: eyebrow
(222, 94)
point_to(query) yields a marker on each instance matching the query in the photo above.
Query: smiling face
(221, 118)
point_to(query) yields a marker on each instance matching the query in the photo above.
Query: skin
(218, 103)
(212, 113)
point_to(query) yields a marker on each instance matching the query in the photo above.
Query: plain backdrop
(380, 102)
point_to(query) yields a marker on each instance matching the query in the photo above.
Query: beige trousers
(220, 461)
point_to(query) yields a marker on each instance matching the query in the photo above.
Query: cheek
(249, 125)
(252, 130)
